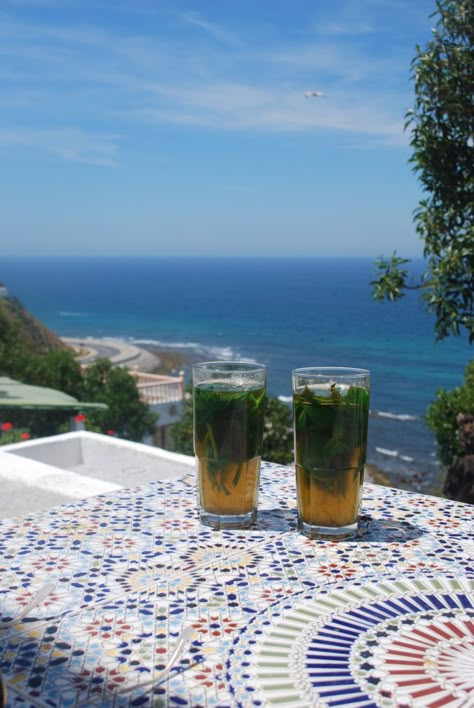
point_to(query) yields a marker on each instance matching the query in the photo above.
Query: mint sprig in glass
(331, 409)
(229, 403)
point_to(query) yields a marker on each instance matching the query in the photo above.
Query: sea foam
(73, 314)
(393, 416)
(388, 453)
(215, 352)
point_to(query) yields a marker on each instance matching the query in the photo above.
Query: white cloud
(74, 75)
(73, 145)
(230, 106)
(342, 29)
(211, 28)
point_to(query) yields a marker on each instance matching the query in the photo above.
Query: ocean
(285, 313)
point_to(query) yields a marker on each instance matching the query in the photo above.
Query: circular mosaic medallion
(392, 642)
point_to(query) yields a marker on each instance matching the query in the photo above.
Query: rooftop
(15, 394)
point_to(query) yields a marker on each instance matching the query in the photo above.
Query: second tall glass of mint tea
(331, 411)
(229, 404)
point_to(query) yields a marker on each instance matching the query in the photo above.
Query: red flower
(80, 418)
(6, 427)
(25, 436)
(110, 432)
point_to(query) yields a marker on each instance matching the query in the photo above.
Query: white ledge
(41, 473)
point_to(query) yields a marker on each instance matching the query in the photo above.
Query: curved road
(120, 353)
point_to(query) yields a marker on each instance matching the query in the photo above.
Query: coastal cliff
(15, 320)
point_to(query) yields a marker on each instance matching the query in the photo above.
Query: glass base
(227, 521)
(334, 533)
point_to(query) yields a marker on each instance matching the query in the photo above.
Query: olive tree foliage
(442, 416)
(278, 432)
(126, 414)
(442, 137)
(182, 431)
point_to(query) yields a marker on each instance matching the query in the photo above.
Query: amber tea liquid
(228, 430)
(330, 454)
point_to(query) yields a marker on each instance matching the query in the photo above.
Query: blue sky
(177, 127)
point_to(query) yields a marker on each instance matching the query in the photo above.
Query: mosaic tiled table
(385, 619)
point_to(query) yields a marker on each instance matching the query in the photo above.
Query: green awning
(14, 394)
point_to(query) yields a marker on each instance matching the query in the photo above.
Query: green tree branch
(442, 139)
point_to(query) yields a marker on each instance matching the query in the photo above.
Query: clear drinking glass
(331, 412)
(3, 693)
(229, 403)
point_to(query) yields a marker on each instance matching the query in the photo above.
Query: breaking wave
(73, 314)
(285, 399)
(386, 452)
(224, 353)
(394, 453)
(393, 416)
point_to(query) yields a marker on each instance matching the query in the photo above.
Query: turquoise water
(284, 313)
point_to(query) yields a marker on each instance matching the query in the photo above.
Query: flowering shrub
(79, 422)
(9, 435)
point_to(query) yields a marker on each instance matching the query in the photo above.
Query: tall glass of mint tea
(331, 412)
(229, 403)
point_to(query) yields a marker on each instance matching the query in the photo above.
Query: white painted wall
(41, 473)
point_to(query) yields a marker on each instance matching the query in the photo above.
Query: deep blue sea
(284, 313)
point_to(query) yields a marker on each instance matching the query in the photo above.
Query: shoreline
(374, 475)
(169, 362)
(149, 360)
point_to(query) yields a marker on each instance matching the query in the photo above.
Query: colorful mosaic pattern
(395, 642)
(131, 568)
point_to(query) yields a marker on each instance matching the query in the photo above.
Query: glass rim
(334, 371)
(230, 365)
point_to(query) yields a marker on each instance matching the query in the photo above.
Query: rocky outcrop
(459, 483)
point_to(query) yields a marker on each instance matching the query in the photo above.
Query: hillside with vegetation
(33, 354)
(16, 321)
